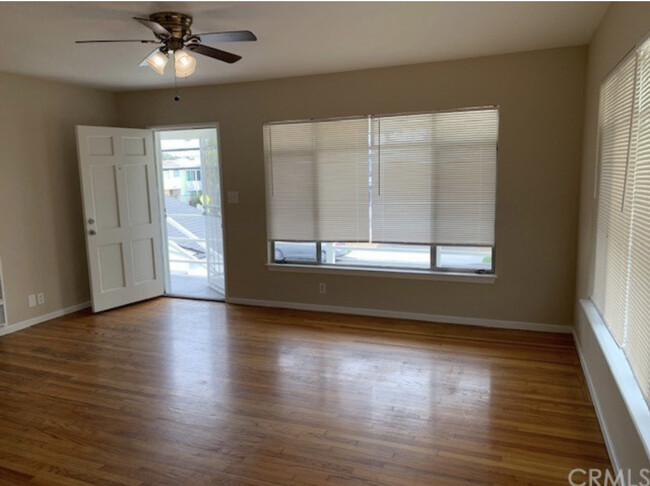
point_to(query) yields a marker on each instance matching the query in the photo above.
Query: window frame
(469, 275)
(432, 269)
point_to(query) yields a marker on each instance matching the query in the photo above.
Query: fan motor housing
(179, 24)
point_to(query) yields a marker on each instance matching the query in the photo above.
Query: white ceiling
(295, 38)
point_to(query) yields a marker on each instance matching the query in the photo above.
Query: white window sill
(619, 366)
(385, 273)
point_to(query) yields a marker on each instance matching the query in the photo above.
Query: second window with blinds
(621, 267)
(395, 192)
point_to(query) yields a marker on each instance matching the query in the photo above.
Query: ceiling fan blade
(157, 29)
(231, 36)
(224, 56)
(128, 40)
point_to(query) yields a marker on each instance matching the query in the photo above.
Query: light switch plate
(233, 197)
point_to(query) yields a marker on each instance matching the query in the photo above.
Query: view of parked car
(294, 252)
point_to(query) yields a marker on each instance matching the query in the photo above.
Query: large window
(621, 284)
(414, 192)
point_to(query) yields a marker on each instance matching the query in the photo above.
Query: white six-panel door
(121, 215)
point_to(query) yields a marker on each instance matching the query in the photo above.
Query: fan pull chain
(177, 96)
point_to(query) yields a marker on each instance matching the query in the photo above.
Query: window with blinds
(621, 284)
(411, 191)
(614, 208)
(435, 178)
(317, 175)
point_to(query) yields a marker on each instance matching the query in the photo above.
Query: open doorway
(190, 184)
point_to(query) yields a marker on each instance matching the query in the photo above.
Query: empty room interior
(324, 243)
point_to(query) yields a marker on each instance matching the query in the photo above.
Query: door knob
(92, 232)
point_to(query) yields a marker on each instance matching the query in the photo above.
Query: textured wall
(42, 244)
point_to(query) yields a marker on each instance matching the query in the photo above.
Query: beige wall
(41, 234)
(623, 25)
(541, 97)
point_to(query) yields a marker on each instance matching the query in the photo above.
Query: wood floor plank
(177, 392)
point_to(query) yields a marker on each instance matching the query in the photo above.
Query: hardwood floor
(179, 392)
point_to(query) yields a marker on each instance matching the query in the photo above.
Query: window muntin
(385, 191)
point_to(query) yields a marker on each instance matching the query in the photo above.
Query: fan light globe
(157, 61)
(183, 63)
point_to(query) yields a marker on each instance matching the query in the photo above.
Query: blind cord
(629, 137)
(379, 158)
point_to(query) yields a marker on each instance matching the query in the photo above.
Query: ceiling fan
(172, 30)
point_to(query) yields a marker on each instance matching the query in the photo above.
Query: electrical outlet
(322, 288)
(233, 197)
(40, 298)
(31, 300)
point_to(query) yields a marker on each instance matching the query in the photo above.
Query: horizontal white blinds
(434, 178)
(614, 214)
(424, 178)
(317, 180)
(622, 261)
(638, 325)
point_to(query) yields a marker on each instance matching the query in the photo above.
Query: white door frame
(159, 175)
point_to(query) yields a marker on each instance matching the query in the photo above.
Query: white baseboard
(414, 316)
(609, 444)
(45, 317)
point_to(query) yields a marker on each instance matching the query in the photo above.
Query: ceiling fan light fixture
(157, 61)
(184, 64)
